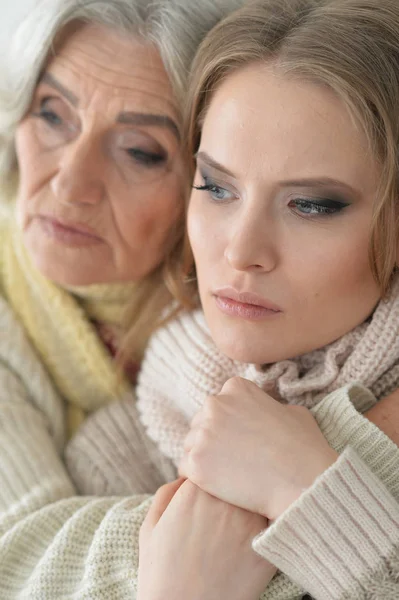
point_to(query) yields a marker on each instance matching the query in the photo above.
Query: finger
(184, 469)
(238, 385)
(161, 501)
(234, 384)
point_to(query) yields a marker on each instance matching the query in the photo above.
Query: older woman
(93, 184)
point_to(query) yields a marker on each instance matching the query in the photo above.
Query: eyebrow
(130, 118)
(53, 82)
(147, 119)
(328, 182)
(203, 156)
(305, 182)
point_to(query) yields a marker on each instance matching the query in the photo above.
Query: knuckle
(238, 384)
(233, 384)
(203, 440)
(197, 467)
(209, 407)
(212, 409)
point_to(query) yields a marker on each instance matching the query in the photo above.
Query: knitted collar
(58, 324)
(182, 366)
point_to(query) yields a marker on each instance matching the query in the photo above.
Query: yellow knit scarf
(58, 324)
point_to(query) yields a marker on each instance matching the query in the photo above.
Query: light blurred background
(11, 12)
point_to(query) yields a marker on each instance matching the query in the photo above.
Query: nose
(252, 244)
(79, 177)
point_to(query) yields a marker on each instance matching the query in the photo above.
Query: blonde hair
(351, 46)
(174, 27)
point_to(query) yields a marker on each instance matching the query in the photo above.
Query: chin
(66, 275)
(65, 267)
(245, 349)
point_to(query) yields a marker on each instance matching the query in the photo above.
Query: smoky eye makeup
(316, 206)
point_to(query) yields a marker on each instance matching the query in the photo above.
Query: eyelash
(212, 188)
(148, 159)
(323, 207)
(48, 116)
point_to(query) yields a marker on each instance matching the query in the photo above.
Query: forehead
(101, 63)
(283, 127)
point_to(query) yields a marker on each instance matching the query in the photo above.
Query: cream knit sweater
(54, 545)
(340, 540)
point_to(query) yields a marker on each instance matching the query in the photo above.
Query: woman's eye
(146, 158)
(47, 114)
(324, 207)
(216, 192)
(50, 117)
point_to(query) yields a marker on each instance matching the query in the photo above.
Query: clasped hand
(252, 451)
(246, 458)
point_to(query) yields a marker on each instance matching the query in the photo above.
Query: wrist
(291, 494)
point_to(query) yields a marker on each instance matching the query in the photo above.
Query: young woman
(257, 396)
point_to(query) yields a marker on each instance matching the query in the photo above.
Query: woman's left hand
(250, 450)
(194, 546)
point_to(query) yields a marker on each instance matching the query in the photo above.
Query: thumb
(236, 385)
(161, 501)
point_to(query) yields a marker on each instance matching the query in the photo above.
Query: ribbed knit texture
(58, 323)
(131, 463)
(53, 544)
(183, 366)
(341, 538)
(110, 461)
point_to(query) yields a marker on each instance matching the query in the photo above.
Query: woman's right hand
(193, 545)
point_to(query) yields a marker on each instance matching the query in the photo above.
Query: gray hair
(175, 27)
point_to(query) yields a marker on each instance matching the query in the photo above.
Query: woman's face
(101, 172)
(280, 230)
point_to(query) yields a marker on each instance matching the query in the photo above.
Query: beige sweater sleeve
(112, 454)
(340, 540)
(53, 544)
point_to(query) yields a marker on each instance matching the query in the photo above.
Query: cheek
(204, 239)
(33, 167)
(339, 288)
(148, 217)
(25, 146)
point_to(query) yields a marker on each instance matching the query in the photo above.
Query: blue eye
(313, 207)
(49, 116)
(216, 192)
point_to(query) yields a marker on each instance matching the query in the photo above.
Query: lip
(68, 232)
(245, 305)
